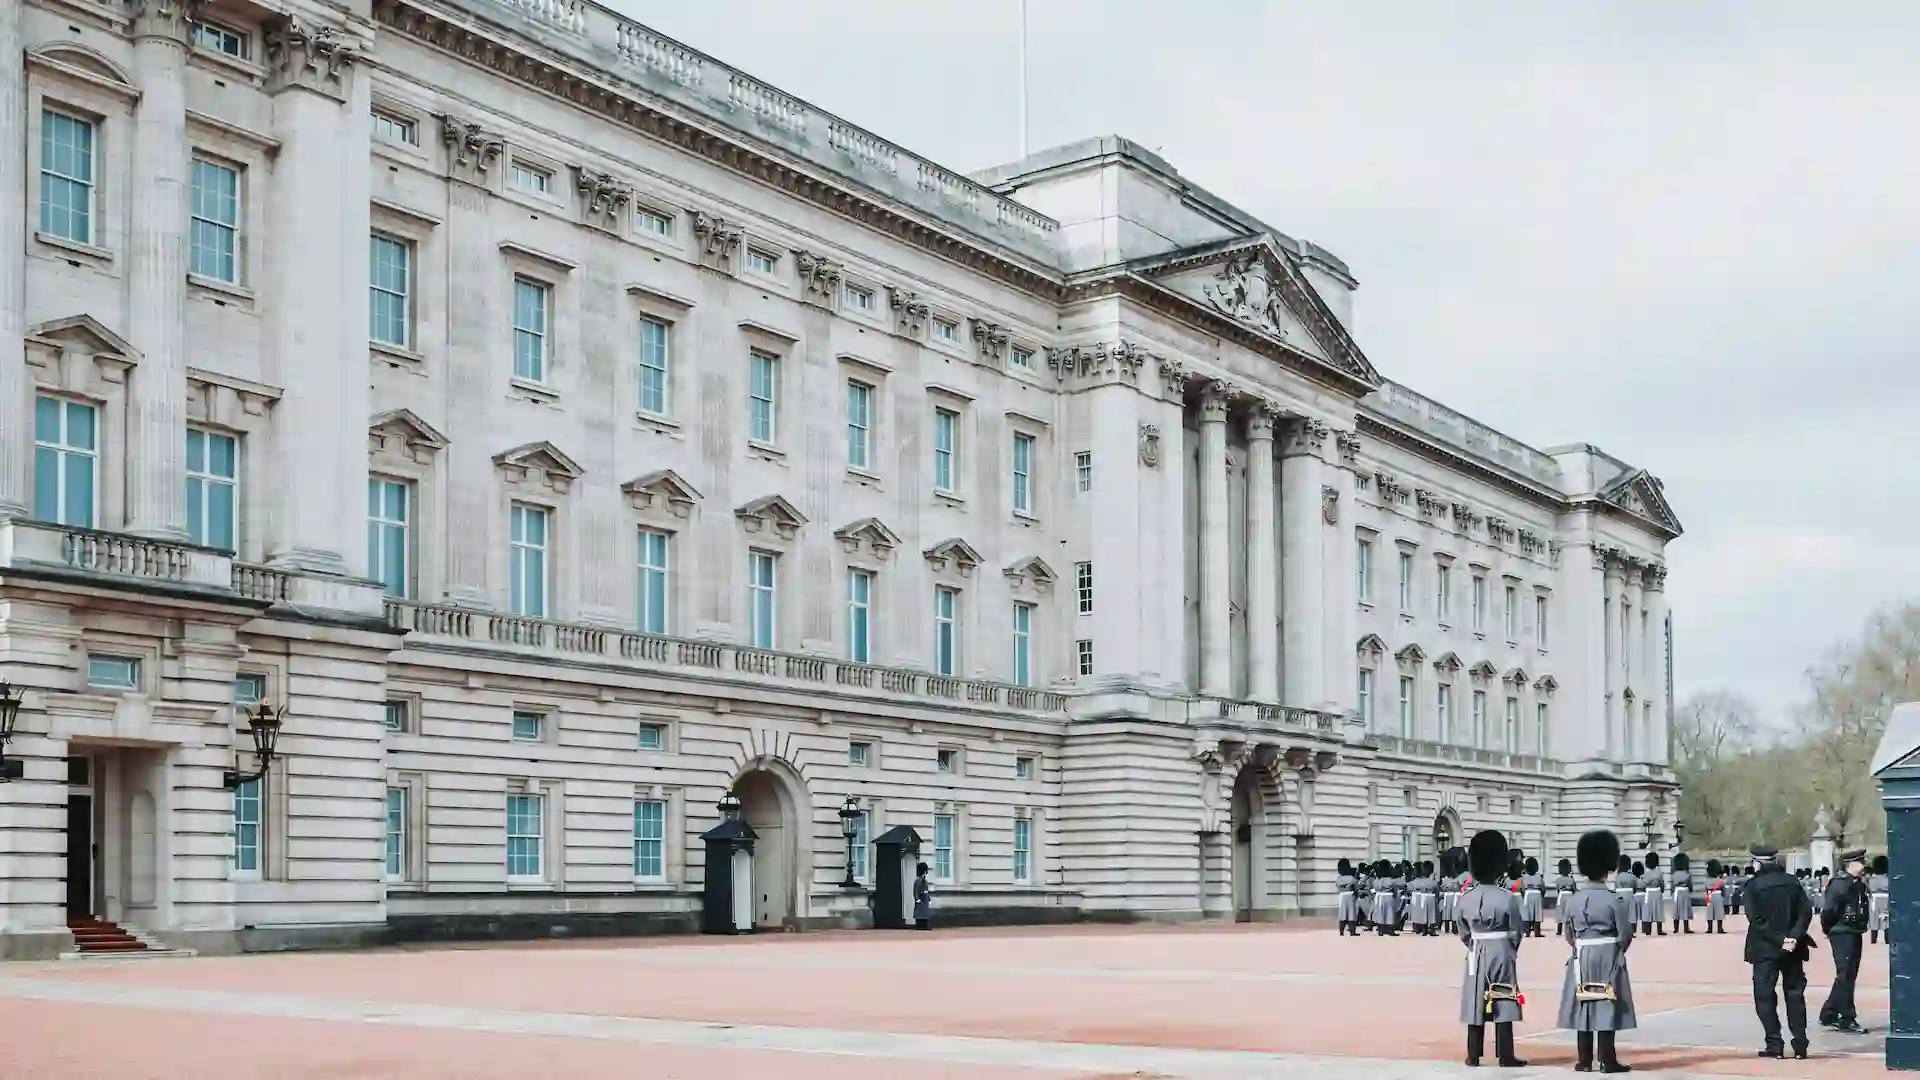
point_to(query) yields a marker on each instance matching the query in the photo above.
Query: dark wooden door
(79, 856)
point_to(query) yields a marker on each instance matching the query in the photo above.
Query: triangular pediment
(1371, 643)
(1546, 684)
(661, 489)
(772, 510)
(84, 333)
(1483, 670)
(408, 427)
(1447, 662)
(1640, 493)
(1258, 284)
(1518, 677)
(953, 552)
(541, 455)
(1411, 654)
(1033, 569)
(868, 532)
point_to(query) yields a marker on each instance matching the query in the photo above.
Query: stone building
(564, 428)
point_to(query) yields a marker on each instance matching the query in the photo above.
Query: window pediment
(1448, 663)
(1483, 670)
(401, 431)
(661, 490)
(1031, 570)
(539, 463)
(1546, 684)
(869, 535)
(1411, 654)
(84, 334)
(1371, 645)
(1516, 678)
(953, 554)
(84, 64)
(771, 514)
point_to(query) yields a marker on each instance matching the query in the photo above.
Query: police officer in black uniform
(1778, 914)
(1844, 915)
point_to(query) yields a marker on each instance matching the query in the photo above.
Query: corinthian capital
(307, 56)
(163, 18)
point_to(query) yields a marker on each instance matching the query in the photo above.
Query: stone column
(316, 348)
(469, 498)
(1119, 538)
(1614, 594)
(1337, 594)
(157, 274)
(1633, 661)
(1302, 567)
(1656, 665)
(1263, 624)
(15, 414)
(1163, 523)
(1216, 646)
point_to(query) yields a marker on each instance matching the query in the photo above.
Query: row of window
(66, 473)
(1476, 730)
(1443, 589)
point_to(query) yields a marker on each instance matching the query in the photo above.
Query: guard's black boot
(1609, 1058)
(1661, 929)
(1583, 1046)
(1503, 1047)
(1873, 937)
(1476, 1044)
(1689, 926)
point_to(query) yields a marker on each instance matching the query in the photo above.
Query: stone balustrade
(109, 554)
(1421, 748)
(706, 658)
(259, 583)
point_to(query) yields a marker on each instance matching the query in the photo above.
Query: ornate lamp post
(850, 830)
(1648, 826)
(729, 806)
(1679, 833)
(264, 725)
(10, 698)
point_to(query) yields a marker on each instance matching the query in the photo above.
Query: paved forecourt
(1232, 1003)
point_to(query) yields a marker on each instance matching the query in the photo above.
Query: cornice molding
(1373, 427)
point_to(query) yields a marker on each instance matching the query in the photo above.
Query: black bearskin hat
(1566, 867)
(1680, 861)
(1533, 865)
(1653, 861)
(1599, 852)
(1713, 868)
(1881, 865)
(1639, 869)
(1406, 869)
(1486, 856)
(1626, 864)
(1345, 866)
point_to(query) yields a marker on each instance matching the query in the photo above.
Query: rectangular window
(1363, 569)
(1442, 591)
(1022, 850)
(946, 330)
(859, 754)
(1406, 707)
(655, 339)
(947, 761)
(527, 726)
(860, 616)
(943, 847)
(859, 424)
(1443, 712)
(1363, 696)
(1406, 582)
(249, 688)
(650, 839)
(655, 581)
(763, 396)
(1513, 614)
(1540, 621)
(531, 303)
(1083, 653)
(389, 538)
(395, 129)
(1510, 729)
(762, 597)
(246, 828)
(213, 249)
(1022, 473)
(390, 296)
(396, 833)
(66, 461)
(762, 262)
(1023, 644)
(1479, 608)
(526, 837)
(1540, 728)
(1083, 586)
(1480, 719)
(1025, 767)
(653, 223)
(219, 39)
(946, 631)
(396, 716)
(653, 737)
(66, 177)
(113, 672)
(527, 585)
(1083, 470)
(946, 424)
(858, 298)
(213, 480)
(862, 840)
(530, 178)
(1023, 358)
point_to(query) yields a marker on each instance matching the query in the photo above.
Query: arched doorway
(1446, 831)
(771, 800)
(1248, 840)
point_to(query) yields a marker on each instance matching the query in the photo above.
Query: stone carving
(1554, 547)
(1349, 446)
(1150, 445)
(1656, 577)
(991, 339)
(1465, 518)
(470, 149)
(1215, 396)
(311, 57)
(164, 18)
(1532, 543)
(1243, 289)
(1304, 436)
(1209, 759)
(1173, 375)
(819, 276)
(603, 199)
(1122, 359)
(910, 313)
(1330, 504)
(1431, 504)
(719, 240)
(1499, 529)
(1129, 358)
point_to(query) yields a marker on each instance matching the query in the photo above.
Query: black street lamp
(850, 828)
(729, 806)
(1679, 833)
(1648, 825)
(10, 698)
(264, 725)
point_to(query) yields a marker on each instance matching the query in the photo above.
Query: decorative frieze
(1431, 505)
(1304, 436)
(164, 18)
(1499, 530)
(604, 200)
(1150, 445)
(306, 56)
(471, 149)
(910, 311)
(1465, 517)
(819, 277)
(719, 241)
(1532, 543)
(1173, 377)
(1348, 445)
(991, 339)
(1100, 360)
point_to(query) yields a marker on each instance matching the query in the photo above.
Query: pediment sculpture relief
(1244, 290)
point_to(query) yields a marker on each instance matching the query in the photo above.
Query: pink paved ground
(1202, 988)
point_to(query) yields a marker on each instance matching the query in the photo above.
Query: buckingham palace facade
(559, 429)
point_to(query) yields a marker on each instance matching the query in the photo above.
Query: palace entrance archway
(771, 800)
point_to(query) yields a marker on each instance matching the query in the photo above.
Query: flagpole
(1023, 79)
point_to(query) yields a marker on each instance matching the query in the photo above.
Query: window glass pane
(524, 836)
(246, 827)
(943, 847)
(78, 509)
(649, 838)
(862, 838)
(215, 209)
(529, 330)
(396, 831)
(66, 177)
(653, 366)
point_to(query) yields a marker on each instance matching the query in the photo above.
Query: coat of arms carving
(1150, 445)
(1244, 289)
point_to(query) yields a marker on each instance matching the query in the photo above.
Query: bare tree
(1713, 733)
(1854, 689)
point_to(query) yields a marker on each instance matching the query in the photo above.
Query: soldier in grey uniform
(1533, 897)
(1386, 900)
(1424, 900)
(1627, 887)
(1490, 928)
(1347, 886)
(1682, 893)
(1716, 888)
(1563, 887)
(1879, 893)
(1653, 893)
(1596, 1000)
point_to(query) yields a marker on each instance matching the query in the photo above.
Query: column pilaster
(1263, 590)
(1119, 537)
(1614, 592)
(1656, 679)
(1302, 568)
(1216, 649)
(1633, 653)
(15, 410)
(157, 273)
(474, 518)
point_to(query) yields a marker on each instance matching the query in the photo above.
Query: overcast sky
(1686, 233)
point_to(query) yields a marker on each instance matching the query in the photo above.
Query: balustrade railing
(259, 583)
(125, 556)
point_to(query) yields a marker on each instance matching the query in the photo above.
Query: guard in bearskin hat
(1716, 886)
(1682, 893)
(1596, 999)
(1563, 887)
(1490, 928)
(1347, 887)
(1533, 896)
(1653, 897)
(1879, 892)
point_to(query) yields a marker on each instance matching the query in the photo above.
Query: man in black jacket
(1843, 915)
(1778, 914)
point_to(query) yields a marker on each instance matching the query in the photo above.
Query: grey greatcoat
(1627, 887)
(1423, 908)
(1682, 896)
(1563, 887)
(1490, 928)
(1878, 887)
(1599, 927)
(1533, 898)
(1386, 902)
(1348, 886)
(1653, 890)
(1449, 896)
(1716, 898)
